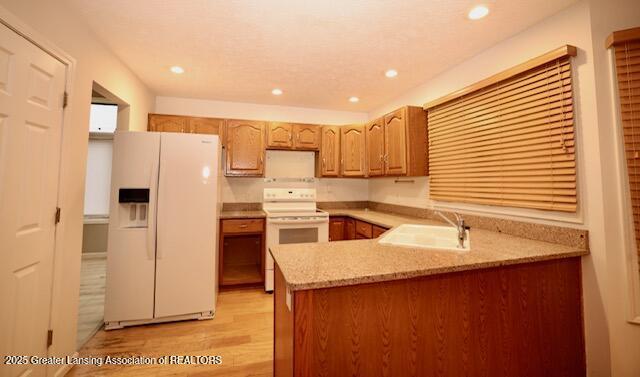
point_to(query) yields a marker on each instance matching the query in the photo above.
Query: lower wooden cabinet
(363, 229)
(242, 252)
(349, 228)
(346, 228)
(336, 229)
(377, 231)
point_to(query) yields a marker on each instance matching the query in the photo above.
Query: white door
(187, 224)
(31, 93)
(131, 251)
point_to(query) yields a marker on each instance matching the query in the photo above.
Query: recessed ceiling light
(177, 69)
(391, 73)
(354, 99)
(276, 92)
(478, 12)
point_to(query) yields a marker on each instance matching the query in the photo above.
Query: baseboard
(64, 369)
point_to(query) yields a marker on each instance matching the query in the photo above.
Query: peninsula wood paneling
(510, 142)
(520, 320)
(282, 329)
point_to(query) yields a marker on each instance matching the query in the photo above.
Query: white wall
(411, 192)
(618, 260)
(612, 344)
(62, 27)
(251, 111)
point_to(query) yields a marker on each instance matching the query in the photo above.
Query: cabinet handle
(243, 225)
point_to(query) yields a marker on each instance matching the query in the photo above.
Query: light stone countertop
(242, 215)
(334, 264)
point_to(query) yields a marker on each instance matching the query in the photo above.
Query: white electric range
(292, 217)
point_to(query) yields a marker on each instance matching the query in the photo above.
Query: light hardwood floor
(241, 332)
(91, 307)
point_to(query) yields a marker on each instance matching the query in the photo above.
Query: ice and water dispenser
(134, 207)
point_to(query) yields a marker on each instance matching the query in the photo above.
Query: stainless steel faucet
(460, 226)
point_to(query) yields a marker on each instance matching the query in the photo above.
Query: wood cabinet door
(330, 152)
(279, 135)
(349, 229)
(211, 126)
(307, 136)
(374, 134)
(377, 231)
(168, 123)
(352, 152)
(395, 140)
(245, 148)
(336, 229)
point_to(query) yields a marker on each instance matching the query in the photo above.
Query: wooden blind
(508, 140)
(626, 45)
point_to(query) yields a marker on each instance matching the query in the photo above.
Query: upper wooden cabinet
(282, 135)
(168, 123)
(279, 135)
(307, 136)
(352, 151)
(329, 159)
(206, 125)
(397, 144)
(374, 134)
(245, 148)
(180, 123)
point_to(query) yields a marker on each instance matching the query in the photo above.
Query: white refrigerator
(162, 255)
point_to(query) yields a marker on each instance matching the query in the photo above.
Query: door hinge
(65, 100)
(49, 338)
(58, 210)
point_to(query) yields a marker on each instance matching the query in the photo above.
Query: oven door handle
(296, 222)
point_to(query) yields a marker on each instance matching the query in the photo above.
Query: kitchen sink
(427, 237)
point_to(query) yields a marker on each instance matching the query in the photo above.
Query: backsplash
(410, 191)
(249, 190)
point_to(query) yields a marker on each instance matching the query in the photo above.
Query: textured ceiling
(318, 52)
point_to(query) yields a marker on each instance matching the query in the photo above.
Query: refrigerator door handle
(151, 221)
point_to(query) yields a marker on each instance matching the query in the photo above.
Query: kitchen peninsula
(510, 307)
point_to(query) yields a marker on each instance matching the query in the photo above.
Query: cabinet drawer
(364, 229)
(242, 226)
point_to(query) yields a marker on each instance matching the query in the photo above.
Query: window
(102, 124)
(626, 45)
(508, 140)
